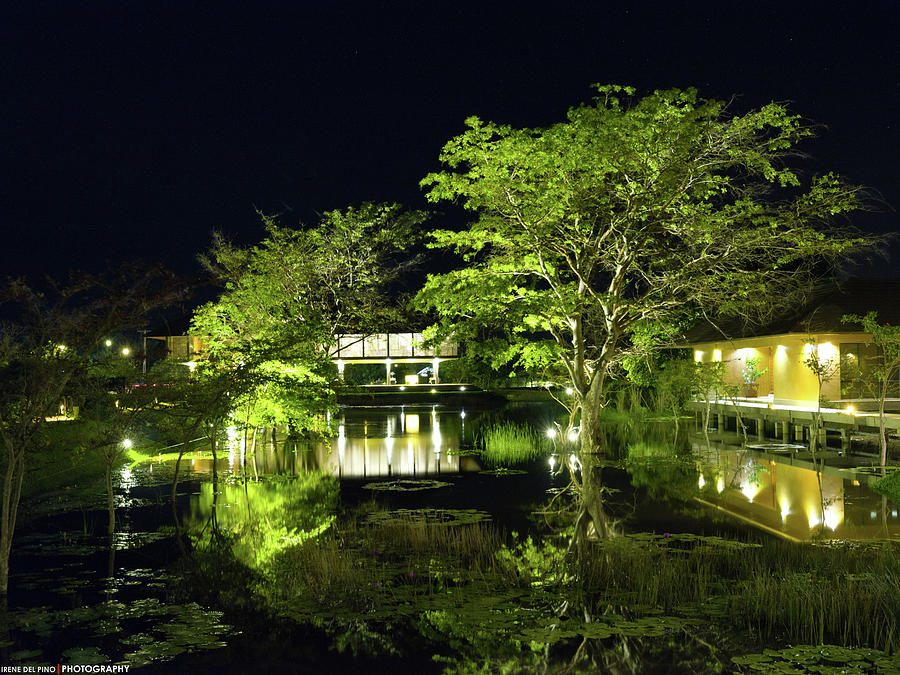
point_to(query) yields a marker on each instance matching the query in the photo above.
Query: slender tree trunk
(215, 470)
(12, 491)
(110, 500)
(881, 425)
(814, 445)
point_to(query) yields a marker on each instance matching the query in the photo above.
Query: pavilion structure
(391, 349)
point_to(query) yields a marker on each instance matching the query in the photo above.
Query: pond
(395, 544)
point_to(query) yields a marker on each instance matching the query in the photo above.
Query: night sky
(134, 129)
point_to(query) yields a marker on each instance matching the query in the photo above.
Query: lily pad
(403, 485)
(430, 516)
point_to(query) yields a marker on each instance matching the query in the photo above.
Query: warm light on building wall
(827, 351)
(717, 354)
(746, 352)
(698, 355)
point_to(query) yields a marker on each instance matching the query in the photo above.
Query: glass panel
(350, 346)
(418, 348)
(376, 345)
(400, 344)
(178, 347)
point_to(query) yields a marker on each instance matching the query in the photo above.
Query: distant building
(389, 349)
(180, 345)
(783, 346)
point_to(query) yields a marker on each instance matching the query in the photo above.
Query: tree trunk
(110, 501)
(215, 470)
(592, 440)
(12, 490)
(881, 425)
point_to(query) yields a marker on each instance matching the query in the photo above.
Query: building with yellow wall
(784, 347)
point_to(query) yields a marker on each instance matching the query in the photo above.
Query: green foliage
(817, 658)
(889, 486)
(598, 237)
(266, 518)
(751, 371)
(509, 443)
(287, 297)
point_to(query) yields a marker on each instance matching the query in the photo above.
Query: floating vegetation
(405, 485)
(819, 659)
(463, 452)
(84, 656)
(503, 471)
(429, 516)
(159, 631)
(673, 538)
(604, 626)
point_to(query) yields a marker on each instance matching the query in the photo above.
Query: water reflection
(369, 443)
(781, 494)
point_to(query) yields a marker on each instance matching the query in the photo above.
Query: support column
(845, 440)
(387, 371)
(720, 422)
(434, 365)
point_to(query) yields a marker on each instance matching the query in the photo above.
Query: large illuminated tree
(628, 219)
(286, 298)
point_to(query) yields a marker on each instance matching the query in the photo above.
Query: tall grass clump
(364, 567)
(802, 593)
(508, 443)
(843, 596)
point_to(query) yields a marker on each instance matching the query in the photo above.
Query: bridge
(390, 349)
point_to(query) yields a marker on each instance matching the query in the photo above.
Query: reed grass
(802, 593)
(508, 443)
(361, 566)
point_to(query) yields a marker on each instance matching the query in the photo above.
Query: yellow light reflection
(834, 515)
(412, 424)
(749, 490)
(813, 517)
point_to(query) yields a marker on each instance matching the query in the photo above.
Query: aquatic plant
(406, 485)
(846, 594)
(503, 471)
(819, 659)
(508, 443)
(889, 486)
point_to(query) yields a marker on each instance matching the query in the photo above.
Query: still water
(75, 599)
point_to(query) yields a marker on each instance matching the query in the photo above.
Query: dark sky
(133, 128)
